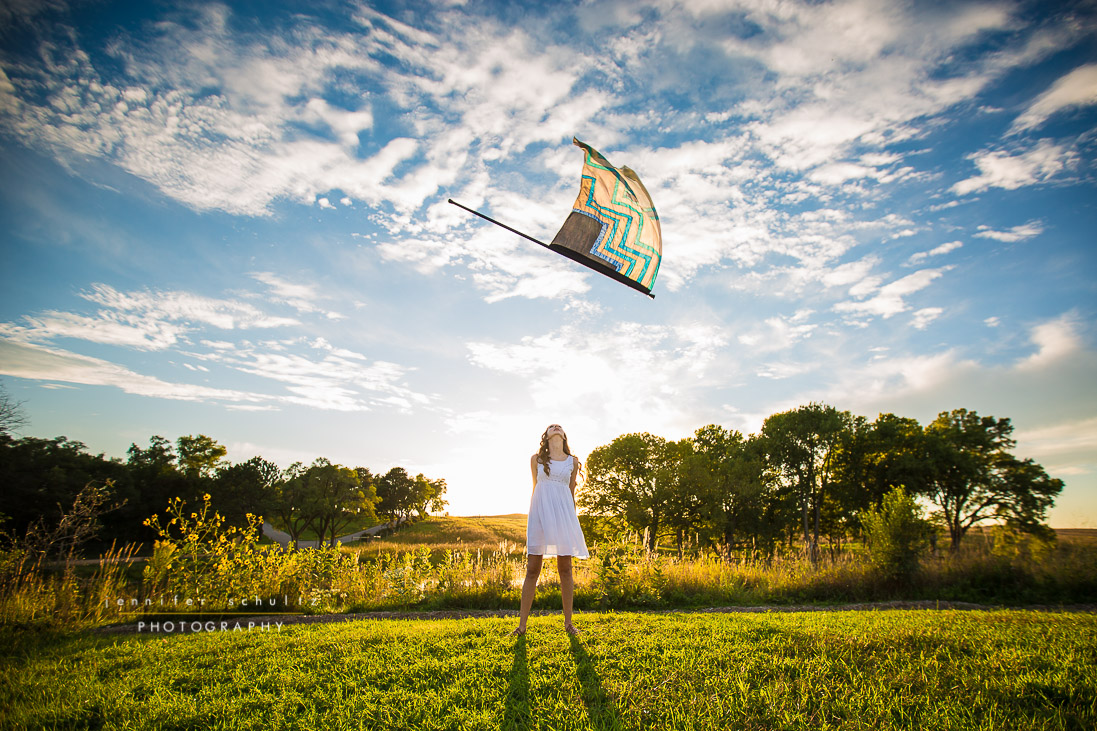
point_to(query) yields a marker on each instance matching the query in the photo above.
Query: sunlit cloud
(1076, 89)
(598, 375)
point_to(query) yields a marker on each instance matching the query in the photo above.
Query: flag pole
(577, 258)
(508, 228)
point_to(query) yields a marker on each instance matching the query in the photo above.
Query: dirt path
(292, 619)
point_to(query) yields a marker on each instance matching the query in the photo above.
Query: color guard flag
(612, 228)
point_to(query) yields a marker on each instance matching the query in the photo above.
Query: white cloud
(337, 380)
(778, 333)
(1012, 235)
(218, 119)
(921, 256)
(1078, 88)
(857, 73)
(846, 79)
(888, 299)
(1055, 379)
(301, 297)
(36, 362)
(323, 376)
(144, 319)
(1003, 170)
(1055, 340)
(923, 317)
(782, 370)
(186, 307)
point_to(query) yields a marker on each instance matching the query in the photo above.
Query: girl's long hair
(543, 454)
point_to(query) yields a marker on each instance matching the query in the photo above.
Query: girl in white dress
(552, 528)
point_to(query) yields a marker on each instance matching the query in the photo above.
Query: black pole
(508, 228)
(574, 256)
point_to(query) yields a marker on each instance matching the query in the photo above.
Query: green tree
(685, 474)
(295, 502)
(628, 478)
(154, 480)
(1029, 492)
(396, 490)
(427, 495)
(337, 493)
(736, 488)
(872, 459)
(801, 445)
(199, 456)
(42, 475)
(976, 479)
(247, 487)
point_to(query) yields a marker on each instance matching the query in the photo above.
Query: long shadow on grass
(516, 711)
(600, 707)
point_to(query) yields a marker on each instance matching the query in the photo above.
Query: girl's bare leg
(567, 590)
(529, 588)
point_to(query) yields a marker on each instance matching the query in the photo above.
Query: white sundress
(552, 528)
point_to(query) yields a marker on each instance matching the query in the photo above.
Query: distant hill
(486, 532)
(1082, 536)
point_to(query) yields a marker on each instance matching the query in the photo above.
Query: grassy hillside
(809, 670)
(456, 533)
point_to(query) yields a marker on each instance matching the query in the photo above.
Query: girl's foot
(572, 630)
(518, 632)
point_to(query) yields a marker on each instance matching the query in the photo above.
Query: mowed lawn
(803, 670)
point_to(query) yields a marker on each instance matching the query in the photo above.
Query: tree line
(812, 474)
(42, 477)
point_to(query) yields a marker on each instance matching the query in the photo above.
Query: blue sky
(231, 219)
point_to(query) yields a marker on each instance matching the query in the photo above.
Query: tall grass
(216, 571)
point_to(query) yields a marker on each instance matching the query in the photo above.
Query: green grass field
(808, 670)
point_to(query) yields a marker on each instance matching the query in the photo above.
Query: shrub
(896, 535)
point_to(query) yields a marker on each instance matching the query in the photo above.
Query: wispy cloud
(315, 372)
(887, 301)
(322, 376)
(1017, 233)
(37, 362)
(1056, 375)
(779, 333)
(1076, 89)
(301, 297)
(145, 320)
(921, 256)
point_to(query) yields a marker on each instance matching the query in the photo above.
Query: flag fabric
(613, 227)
